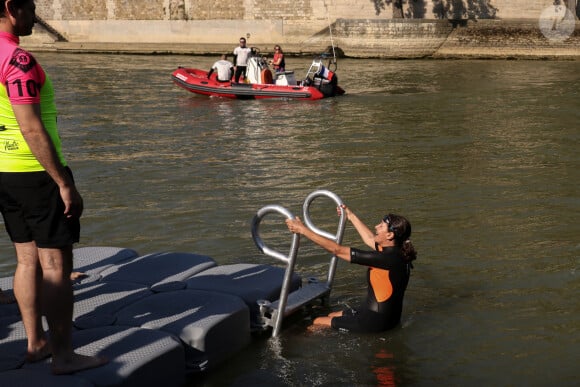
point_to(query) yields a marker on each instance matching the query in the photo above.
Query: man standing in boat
(224, 68)
(241, 55)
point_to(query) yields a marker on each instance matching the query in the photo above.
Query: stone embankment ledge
(355, 38)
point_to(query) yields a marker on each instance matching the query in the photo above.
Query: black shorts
(33, 210)
(240, 70)
(360, 320)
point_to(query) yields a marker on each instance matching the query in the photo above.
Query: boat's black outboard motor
(326, 81)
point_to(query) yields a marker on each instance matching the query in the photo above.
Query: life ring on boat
(266, 76)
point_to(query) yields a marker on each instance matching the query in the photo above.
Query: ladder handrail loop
(339, 232)
(290, 259)
(262, 212)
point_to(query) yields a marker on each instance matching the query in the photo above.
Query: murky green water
(481, 156)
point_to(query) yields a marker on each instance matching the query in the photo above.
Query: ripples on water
(480, 155)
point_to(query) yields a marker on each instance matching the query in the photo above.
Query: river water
(481, 156)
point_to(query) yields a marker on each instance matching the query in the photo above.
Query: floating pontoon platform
(162, 316)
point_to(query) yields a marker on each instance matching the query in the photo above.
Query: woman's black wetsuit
(387, 278)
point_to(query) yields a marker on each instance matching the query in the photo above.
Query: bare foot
(75, 275)
(77, 363)
(44, 352)
(323, 321)
(6, 298)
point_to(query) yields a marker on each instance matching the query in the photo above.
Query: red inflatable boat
(261, 83)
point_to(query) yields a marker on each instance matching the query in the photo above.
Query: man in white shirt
(241, 55)
(224, 68)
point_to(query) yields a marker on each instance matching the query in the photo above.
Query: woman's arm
(276, 60)
(296, 226)
(367, 235)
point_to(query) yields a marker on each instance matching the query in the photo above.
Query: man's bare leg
(27, 287)
(58, 307)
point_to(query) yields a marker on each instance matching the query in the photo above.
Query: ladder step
(301, 297)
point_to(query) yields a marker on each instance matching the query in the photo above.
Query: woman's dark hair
(401, 227)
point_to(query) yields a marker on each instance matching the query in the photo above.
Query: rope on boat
(331, 40)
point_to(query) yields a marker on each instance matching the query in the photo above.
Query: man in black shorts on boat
(241, 56)
(387, 277)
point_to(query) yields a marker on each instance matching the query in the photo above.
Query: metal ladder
(272, 313)
(314, 68)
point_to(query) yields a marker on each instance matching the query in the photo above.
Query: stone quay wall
(499, 28)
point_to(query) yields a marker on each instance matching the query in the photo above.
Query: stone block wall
(406, 38)
(287, 10)
(516, 39)
(524, 10)
(302, 26)
(72, 10)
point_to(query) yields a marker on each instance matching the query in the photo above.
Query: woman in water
(387, 277)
